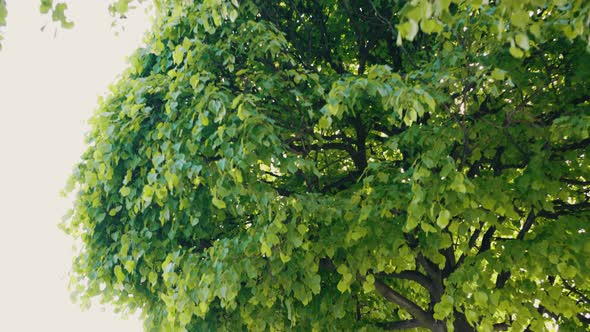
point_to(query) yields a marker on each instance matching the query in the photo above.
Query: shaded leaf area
(330, 165)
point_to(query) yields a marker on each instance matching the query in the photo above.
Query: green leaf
(411, 223)
(121, 6)
(443, 218)
(444, 308)
(58, 12)
(369, 284)
(430, 102)
(119, 273)
(178, 54)
(519, 18)
(566, 271)
(458, 184)
(284, 258)
(203, 119)
(343, 285)
(426, 227)
(481, 299)
(265, 249)
(125, 191)
(148, 192)
(522, 40)
(516, 52)
(498, 74)
(408, 29)
(302, 229)
(243, 112)
(220, 204)
(91, 178)
(471, 316)
(45, 7)
(342, 269)
(130, 266)
(58, 15)
(325, 122)
(431, 25)
(233, 15)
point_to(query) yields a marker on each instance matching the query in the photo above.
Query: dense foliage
(344, 165)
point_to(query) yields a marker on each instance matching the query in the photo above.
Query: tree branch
(415, 276)
(486, 241)
(564, 208)
(502, 279)
(423, 317)
(575, 182)
(583, 318)
(578, 145)
(413, 309)
(576, 291)
(530, 219)
(435, 275)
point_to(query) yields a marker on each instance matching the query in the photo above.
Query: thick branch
(584, 319)
(413, 309)
(530, 219)
(435, 275)
(505, 275)
(502, 279)
(486, 242)
(581, 317)
(424, 318)
(576, 291)
(431, 269)
(416, 276)
(450, 263)
(578, 145)
(474, 236)
(564, 209)
(575, 182)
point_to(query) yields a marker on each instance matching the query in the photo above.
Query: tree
(344, 165)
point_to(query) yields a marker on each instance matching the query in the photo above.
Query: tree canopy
(344, 165)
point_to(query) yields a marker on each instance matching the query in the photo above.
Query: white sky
(48, 89)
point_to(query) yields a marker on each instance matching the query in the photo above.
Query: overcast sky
(49, 87)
